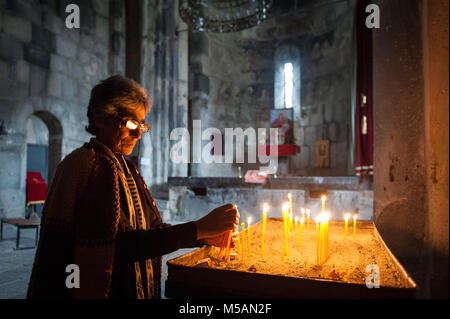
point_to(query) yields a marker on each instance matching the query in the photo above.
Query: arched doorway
(44, 143)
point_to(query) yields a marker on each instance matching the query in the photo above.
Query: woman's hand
(217, 222)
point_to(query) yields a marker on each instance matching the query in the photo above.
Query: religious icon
(323, 154)
(283, 121)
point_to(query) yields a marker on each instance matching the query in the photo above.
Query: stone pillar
(435, 42)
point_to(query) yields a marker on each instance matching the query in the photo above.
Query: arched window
(287, 77)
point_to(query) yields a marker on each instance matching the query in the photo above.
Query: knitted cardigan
(79, 225)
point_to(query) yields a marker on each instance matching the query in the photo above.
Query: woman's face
(114, 134)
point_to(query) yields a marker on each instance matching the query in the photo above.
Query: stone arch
(55, 136)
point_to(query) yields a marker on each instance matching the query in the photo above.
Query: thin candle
(228, 251)
(317, 241)
(302, 221)
(241, 252)
(290, 211)
(346, 217)
(291, 223)
(242, 235)
(308, 211)
(286, 230)
(355, 216)
(249, 241)
(324, 198)
(290, 203)
(296, 221)
(265, 209)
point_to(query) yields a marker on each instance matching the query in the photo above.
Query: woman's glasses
(133, 125)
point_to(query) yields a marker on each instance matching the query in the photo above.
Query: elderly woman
(99, 216)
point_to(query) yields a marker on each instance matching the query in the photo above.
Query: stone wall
(232, 81)
(411, 138)
(47, 71)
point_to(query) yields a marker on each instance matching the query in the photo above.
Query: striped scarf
(141, 223)
(135, 209)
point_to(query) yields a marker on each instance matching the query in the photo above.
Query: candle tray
(196, 281)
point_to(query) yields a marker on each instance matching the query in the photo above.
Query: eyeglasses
(133, 125)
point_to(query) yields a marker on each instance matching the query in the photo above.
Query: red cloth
(36, 187)
(364, 106)
(283, 150)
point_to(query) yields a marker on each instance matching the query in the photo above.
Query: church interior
(252, 100)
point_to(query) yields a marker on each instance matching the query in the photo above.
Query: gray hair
(113, 95)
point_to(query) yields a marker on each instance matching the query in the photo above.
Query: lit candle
(355, 216)
(241, 251)
(228, 251)
(290, 211)
(265, 209)
(346, 217)
(324, 198)
(326, 236)
(302, 210)
(242, 236)
(317, 241)
(291, 223)
(296, 221)
(286, 230)
(249, 242)
(302, 220)
(308, 211)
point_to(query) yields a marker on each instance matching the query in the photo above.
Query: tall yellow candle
(324, 198)
(308, 211)
(302, 220)
(290, 203)
(283, 209)
(296, 221)
(248, 239)
(317, 241)
(355, 216)
(291, 223)
(265, 209)
(346, 217)
(242, 235)
(241, 251)
(326, 236)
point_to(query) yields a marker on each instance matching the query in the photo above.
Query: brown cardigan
(79, 226)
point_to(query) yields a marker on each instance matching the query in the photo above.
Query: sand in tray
(348, 258)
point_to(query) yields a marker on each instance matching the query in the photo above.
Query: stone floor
(15, 265)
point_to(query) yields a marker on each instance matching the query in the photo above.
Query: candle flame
(355, 216)
(308, 211)
(302, 210)
(324, 198)
(317, 219)
(302, 220)
(266, 208)
(296, 219)
(289, 196)
(286, 206)
(347, 216)
(249, 220)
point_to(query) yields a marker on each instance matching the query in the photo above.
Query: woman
(100, 217)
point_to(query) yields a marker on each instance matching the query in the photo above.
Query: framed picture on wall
(283, 120)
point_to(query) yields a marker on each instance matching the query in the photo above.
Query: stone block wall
(46, 74)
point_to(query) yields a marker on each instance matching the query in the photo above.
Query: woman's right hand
(217, 221)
